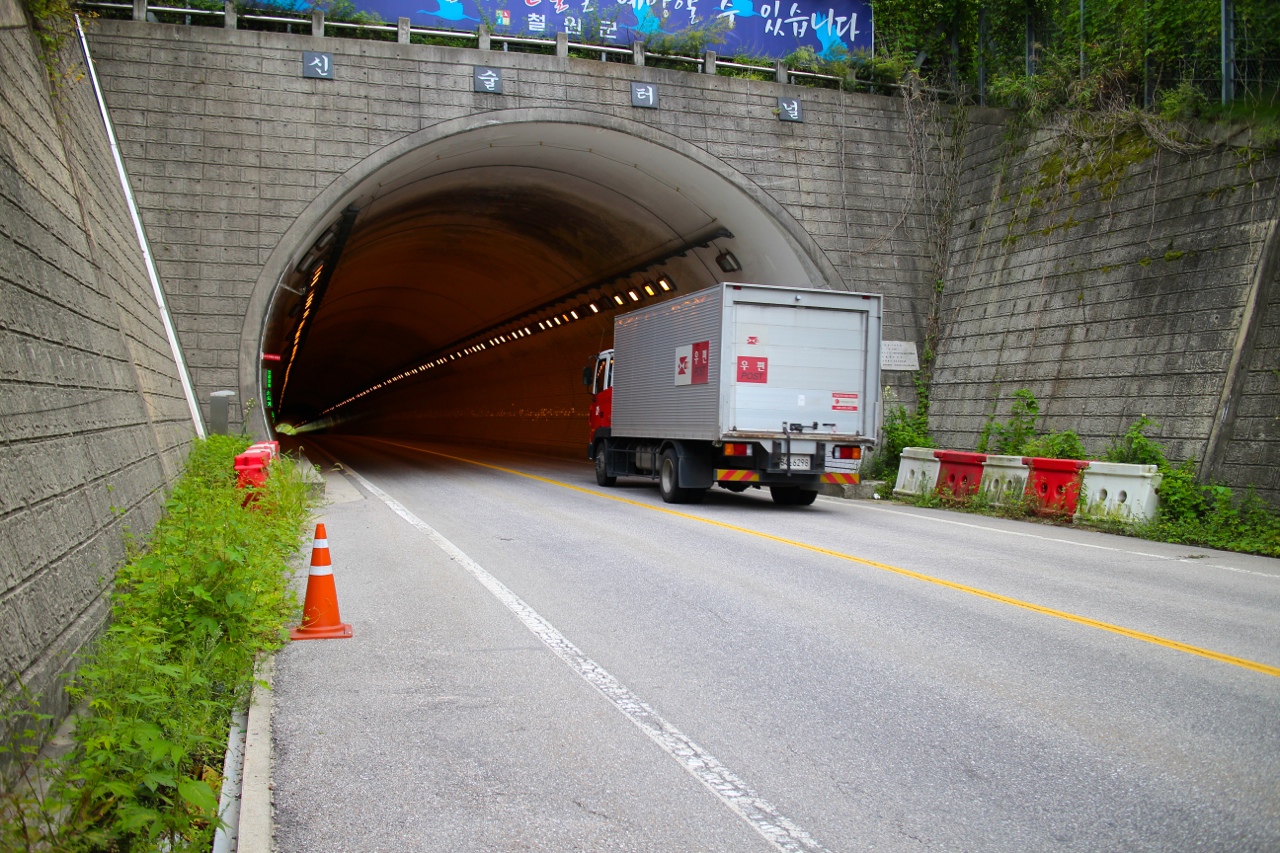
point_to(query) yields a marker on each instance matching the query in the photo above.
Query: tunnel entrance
(455, 289)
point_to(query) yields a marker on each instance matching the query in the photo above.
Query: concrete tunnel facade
(474, 231)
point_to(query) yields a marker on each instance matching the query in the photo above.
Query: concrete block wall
(93, 424)
(228, 143)
(1253, 454)
(1106, 305)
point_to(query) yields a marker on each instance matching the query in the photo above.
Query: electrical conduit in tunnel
(465, 236)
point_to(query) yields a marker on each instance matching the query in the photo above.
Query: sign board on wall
(898, 355)
(771, 29)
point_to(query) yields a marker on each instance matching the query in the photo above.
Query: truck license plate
(798, 463)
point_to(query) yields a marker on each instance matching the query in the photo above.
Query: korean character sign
(753, 368)
(486, 79)
(693, 362)
(317, 65)
(644, 95)
(790, 109)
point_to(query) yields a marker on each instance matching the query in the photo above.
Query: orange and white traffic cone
(320, 619)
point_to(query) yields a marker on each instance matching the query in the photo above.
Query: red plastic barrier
(251, 467)
(272, 446)
(1055, 483)
(959, 473)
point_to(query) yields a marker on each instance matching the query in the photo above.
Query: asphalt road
(542, 667)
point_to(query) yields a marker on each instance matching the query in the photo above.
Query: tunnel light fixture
(594, 309)
(573, 314)
(634, 297)
(666, 284)
(648, 289)
(618, 299)
(557, 319)
(727, 261)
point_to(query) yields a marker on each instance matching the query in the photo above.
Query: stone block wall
(1110, 285)
(228, 143)
(93, 423)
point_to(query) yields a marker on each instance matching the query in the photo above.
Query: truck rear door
(799, 363)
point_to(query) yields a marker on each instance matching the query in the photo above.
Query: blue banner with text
(772, 29)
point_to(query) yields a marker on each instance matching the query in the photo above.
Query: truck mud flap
(696, 472)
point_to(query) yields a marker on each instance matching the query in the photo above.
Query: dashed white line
(775, 828)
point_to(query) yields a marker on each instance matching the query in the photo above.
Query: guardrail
(560, 45)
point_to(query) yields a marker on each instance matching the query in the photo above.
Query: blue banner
(771, 29)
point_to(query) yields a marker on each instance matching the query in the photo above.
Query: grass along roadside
(190, 613)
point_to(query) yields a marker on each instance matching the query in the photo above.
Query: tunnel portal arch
(476, 220)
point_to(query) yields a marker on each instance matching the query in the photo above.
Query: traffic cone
(320, 619)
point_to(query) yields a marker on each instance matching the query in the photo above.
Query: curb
(255, 828)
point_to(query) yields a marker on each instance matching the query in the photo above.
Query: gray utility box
(750, 361)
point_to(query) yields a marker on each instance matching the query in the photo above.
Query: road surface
(543, 664)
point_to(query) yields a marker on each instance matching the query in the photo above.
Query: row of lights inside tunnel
(525, 326)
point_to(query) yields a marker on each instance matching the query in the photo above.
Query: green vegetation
(1190, 512)
(901, 429)
(189, 617)
(1163, 53)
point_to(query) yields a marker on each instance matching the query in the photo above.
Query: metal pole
(1228, 52)
(196, 419)
(982, 56)
(1031, 45)
(1082, 39)
(1146, 54)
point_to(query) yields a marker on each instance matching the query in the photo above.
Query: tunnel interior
(458, 291)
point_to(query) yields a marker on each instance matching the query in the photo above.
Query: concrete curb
(255, 828)
(863, 491)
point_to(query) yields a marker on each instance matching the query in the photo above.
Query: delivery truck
(741, 386)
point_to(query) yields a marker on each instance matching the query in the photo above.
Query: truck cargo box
(749, 361)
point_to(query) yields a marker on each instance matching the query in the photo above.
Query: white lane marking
(1069, 542)
(766, 820)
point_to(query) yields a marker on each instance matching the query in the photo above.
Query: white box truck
(742, 386)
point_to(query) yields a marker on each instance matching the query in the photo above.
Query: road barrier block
(251, 468)
(1055, 484)
(960, 473)
(1004, 479)
(1119, 491)
(917, 472)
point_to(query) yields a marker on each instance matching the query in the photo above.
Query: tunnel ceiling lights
(608, 302)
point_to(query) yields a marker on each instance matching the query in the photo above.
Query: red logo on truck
(753, 369)
(701, 362)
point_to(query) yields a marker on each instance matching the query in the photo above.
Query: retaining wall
(93, 424)
(1114, 283)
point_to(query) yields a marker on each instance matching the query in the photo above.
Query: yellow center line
(981, 593)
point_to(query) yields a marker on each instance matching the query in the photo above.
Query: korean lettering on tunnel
(771, 29)
(318, 65)
(693, 363)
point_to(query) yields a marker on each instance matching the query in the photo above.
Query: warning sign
(844, 402)
(753, 369)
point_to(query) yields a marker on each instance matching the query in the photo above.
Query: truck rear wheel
(792, 495)
(602, 468)
(669, 482)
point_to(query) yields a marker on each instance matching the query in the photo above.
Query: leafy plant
(1211, 515)
(901, 429)
(1008, 438)
(1183, 102)
(1135, 448)
(188, 618)
(1055, 445)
